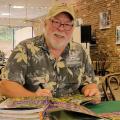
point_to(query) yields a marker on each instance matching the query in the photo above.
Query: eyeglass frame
(57, 24)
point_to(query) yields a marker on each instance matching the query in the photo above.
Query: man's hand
(43, 92)
(92, 90)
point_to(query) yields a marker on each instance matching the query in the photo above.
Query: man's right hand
(43, 92)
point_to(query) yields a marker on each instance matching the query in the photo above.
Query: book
(112, 115)
(41, 107)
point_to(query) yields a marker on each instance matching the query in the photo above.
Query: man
(50, 64)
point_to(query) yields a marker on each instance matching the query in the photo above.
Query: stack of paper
(20, 114)
(26, 108)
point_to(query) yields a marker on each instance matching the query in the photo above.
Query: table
(105, 107)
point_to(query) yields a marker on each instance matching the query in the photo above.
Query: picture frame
(117, 34)
(105, 20)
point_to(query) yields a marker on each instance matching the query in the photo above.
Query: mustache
(61, 34)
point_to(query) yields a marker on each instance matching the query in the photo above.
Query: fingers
(92, 90)
(95, 93)
(44, 92)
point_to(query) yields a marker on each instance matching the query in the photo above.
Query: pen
(41, 85)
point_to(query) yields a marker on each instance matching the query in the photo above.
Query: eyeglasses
(66, 26)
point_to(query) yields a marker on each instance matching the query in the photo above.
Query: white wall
(23, 34)
(6, 47)
(77, 38)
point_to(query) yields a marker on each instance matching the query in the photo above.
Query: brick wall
(106, 46)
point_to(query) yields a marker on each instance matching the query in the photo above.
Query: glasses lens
(68, 26)
(58, 24)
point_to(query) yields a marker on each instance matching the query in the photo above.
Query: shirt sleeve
(16, 65)
(88, 74)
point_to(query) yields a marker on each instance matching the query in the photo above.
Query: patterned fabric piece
(31, 65)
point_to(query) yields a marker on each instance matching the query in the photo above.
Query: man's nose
(61, 27)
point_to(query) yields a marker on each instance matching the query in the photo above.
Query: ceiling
(32, 9)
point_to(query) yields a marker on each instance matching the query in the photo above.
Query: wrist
(80, 88)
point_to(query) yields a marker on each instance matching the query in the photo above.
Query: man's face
(58, 31)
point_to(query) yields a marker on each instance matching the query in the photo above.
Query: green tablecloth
(70, 115)
(105, 107)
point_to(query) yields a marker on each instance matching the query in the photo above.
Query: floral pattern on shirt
(20, 56)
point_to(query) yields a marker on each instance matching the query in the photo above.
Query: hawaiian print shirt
(31, 65)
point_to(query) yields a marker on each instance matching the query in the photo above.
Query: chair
(101, 66)
(111, 86)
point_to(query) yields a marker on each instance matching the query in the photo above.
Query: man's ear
(44, 23)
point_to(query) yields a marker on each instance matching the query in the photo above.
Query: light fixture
(18, 7)
(5, 14)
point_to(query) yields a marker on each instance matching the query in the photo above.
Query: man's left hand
(92, 90)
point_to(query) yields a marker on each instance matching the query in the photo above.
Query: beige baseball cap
(59, 8)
